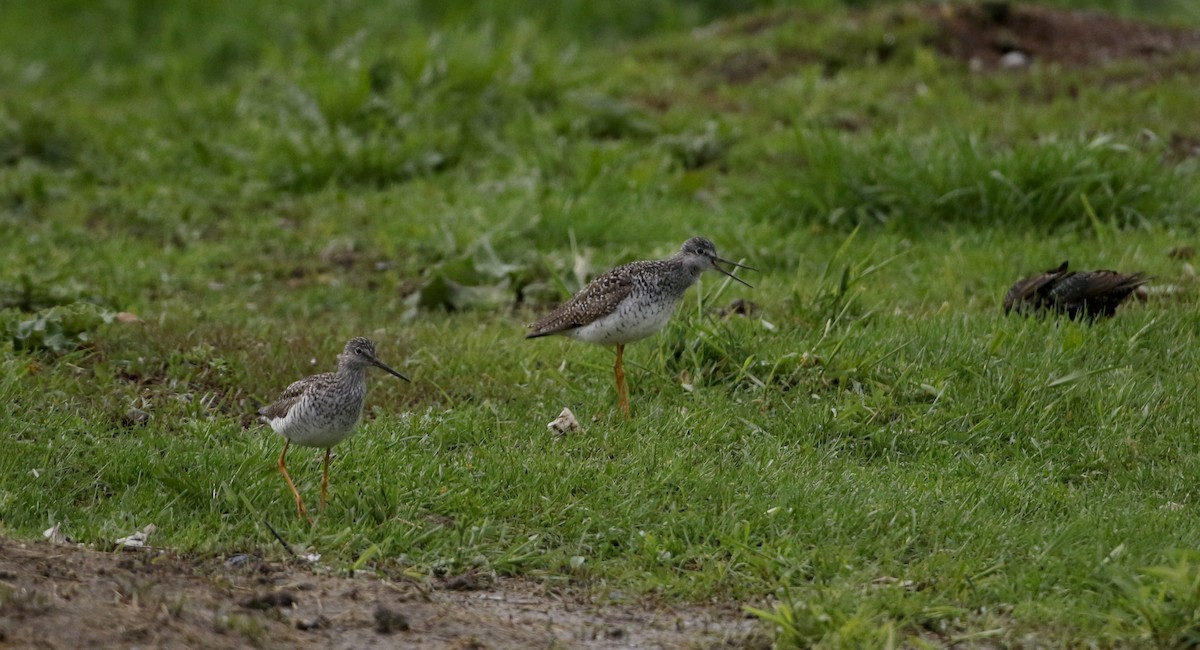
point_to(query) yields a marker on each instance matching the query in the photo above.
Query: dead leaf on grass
(138, 539)
(564, 423)
(55, 535)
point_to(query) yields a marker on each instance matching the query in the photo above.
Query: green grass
(876, 457)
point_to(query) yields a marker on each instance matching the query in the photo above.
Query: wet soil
(66, 596)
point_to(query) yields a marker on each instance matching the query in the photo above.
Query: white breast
(634, 319)
(309, 425)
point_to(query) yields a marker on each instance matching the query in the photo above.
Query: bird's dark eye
(357, 350)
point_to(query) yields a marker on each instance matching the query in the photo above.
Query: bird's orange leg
(619, 373)
(288, 478)
(325, 479)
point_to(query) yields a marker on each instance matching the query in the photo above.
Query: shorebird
(1089, 294)
(632, 302)
(322, 410)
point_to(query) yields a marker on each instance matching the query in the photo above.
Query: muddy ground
(983, 33)
(66, 596)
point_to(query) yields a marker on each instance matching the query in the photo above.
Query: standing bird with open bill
(1089, 294)
(322, 410)
(632, 302)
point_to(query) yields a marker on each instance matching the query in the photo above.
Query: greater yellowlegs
(632, 302)
(322, 410)
(1090, 294)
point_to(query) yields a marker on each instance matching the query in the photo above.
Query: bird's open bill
(388, 368)
(732, 263)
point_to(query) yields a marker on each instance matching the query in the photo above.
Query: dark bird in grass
(322, 410)
(632, 302)
(1088, 294)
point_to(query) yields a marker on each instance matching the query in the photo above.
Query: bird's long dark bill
(388, 368)
(733, 263)
(740, 266)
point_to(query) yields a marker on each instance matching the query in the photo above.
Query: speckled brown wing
(290, 395)
(599, 298)
(1032, 293)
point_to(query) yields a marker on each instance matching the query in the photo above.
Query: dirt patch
(63, 596)
(984, 34)
(742, 67)
(990, 34)
(1183, 146)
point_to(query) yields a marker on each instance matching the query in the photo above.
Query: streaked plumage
(322, 410)
(631, 302)
(1089, 294)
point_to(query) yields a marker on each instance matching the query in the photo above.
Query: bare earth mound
(983, 33)
(70, 597)
(988, 35)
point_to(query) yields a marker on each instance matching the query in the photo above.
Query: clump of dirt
(1183, 146)
(65, 596)
(983, 34)
(988, 34)
(743, 67)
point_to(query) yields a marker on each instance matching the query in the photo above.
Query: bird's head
(699, 253)
(360, 353)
